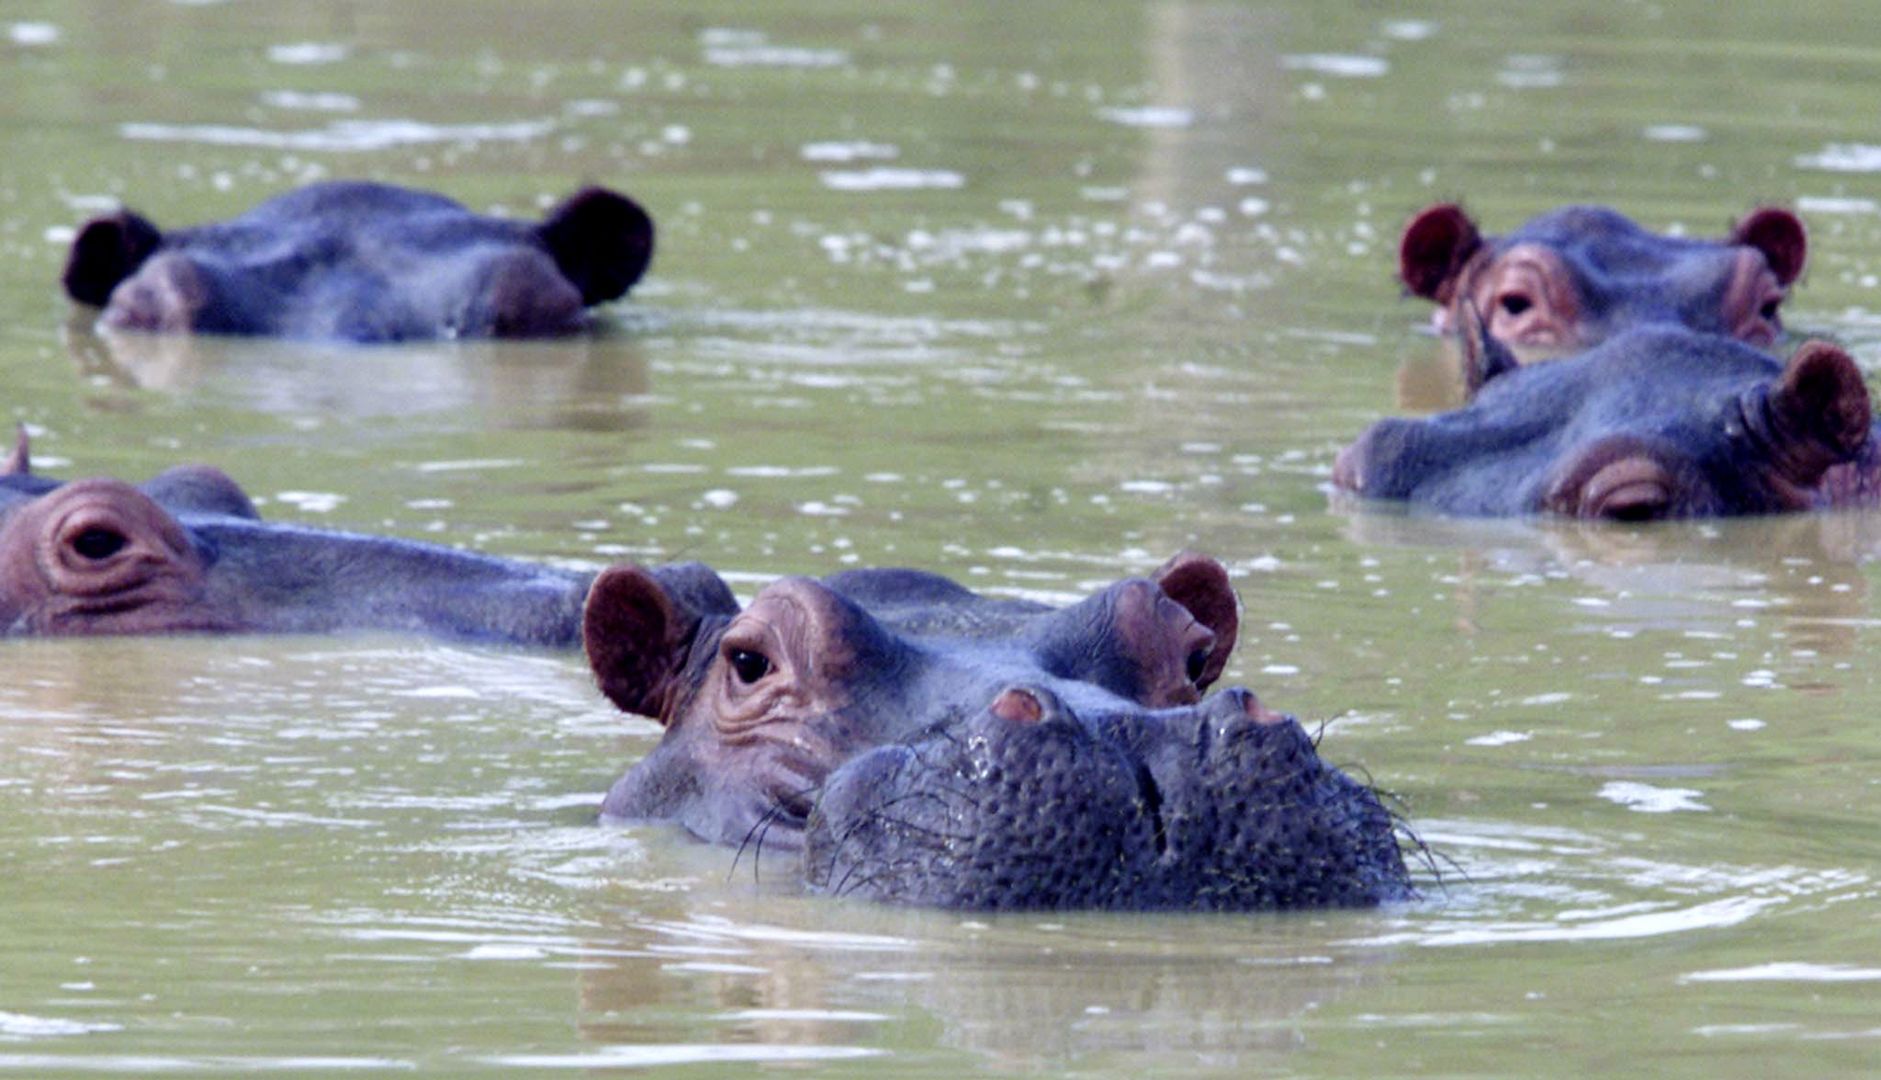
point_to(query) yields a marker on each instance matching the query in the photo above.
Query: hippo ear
(199, 489)
(638, 627)
(1437, 244)
(1822, 399)
(20, 461)
(1201, 585)
(108, 250)
(1779, 234)
(601, 240)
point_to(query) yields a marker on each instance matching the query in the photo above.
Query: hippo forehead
(1618, 263)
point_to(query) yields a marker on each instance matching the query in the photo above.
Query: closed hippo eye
(1630, 489)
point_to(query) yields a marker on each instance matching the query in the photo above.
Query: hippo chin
(187, 553)
(1576, 276)
(1654, 423)
(364, 262)
(921, 744)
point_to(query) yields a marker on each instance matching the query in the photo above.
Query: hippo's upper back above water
(366, 262)
(1573, 277)
(187, 553)
(924, 744)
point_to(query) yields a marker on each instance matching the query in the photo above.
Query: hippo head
(781, 717)
(363, 262)
(186, 552)
(99, 556)
(1654, 423)
(1575, 276)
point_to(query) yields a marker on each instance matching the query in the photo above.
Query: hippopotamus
(915, 742)
(1656, 422)
(364, 262)
(186, 552)
(1573, 277)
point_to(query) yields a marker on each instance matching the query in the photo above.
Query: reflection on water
(576, 383)
(1088, 287)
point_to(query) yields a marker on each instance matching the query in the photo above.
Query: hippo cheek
(523, 294)
(99, 557)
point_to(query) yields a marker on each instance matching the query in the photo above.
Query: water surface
(1033, 295)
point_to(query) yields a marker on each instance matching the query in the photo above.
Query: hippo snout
(1222, 805)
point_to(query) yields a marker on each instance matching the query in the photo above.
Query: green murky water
(1033, 295)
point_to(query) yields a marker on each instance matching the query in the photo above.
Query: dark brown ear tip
(1434, 247)
(1780, 235)
(1825, 380)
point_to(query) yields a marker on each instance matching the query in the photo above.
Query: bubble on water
(1831, 204)
(1787, 971)
(32, 34)
(889, 179)
(1338, 65)
(310, 102)
(1499, 738)
(854, 150)
(309, 52)
(1527, 71)
(340, 136)
(1843, 157)
(719, 498)
(1674, 133)
(21, 1026)
(1407, 29)
(752, 48)
(312, 502)
(1647, 799)
(1149, 116)
(1746, 724)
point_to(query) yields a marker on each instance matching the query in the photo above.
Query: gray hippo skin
(364, 262)
(1654, 423)
(187, 553)
(1574, 277)
(918, 743)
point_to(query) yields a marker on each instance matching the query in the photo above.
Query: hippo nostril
(1018, 706)
(98, 543)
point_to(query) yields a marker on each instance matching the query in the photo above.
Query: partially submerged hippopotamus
(365, 262)
(920, 743)
(1573, 277)
(1654, 423)
(187, 553)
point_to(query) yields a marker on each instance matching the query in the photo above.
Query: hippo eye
(99, 543)
(1514, 303)
(1197, 664)
(1769, 309)
(749, 666)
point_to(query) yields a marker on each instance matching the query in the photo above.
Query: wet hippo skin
(1653, 423)
(186, 552)
(1573, 277)
(364, 262)
(919, 743)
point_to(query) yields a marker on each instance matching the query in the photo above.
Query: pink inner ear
(1201, 585)
(627, 629)
(1781, 237)
(1436, 245)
